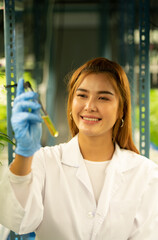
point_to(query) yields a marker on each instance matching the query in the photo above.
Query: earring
(122, 123)
(71, 115)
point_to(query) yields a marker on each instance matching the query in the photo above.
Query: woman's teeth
(91, 119)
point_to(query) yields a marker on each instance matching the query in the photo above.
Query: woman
(96, 186)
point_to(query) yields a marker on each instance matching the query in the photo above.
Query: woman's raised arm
(26, 123)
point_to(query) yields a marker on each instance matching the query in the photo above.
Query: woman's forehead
(98, 82)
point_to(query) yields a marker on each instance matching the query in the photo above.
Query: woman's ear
(120, 115)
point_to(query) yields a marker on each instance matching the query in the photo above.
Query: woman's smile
(90, 119)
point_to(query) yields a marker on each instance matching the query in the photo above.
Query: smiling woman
(96, 186)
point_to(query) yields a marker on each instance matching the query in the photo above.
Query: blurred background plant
(154, 117)
(3, 103)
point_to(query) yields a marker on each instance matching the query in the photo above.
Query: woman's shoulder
(130, 159)
(48, 153)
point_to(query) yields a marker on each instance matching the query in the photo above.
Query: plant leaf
(6, 138)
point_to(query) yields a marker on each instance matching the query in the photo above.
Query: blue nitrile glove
(26, 121)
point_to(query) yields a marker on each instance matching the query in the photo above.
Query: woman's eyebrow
(105, 92)
(82, 89)
(99, 92)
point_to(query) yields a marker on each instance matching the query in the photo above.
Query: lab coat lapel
(72, 157)
(71, 153)
(83, 177)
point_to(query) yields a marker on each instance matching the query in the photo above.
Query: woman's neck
(96, 148)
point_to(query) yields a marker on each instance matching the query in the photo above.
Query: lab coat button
(90, 214)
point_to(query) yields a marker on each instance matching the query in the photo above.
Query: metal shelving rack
(10, 55)
(144, 78)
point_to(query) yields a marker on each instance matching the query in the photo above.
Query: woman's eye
(104, 98)
(81, 95)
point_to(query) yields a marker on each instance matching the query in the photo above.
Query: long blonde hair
(116, 74)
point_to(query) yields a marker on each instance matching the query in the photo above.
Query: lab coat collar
(71, 156)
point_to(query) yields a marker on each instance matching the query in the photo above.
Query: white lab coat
(61, 204)
(4, 233)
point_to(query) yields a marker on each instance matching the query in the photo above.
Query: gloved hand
(26, 121)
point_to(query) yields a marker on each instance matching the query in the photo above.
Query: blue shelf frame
(11, 73)
(10, 55)
(144, 78)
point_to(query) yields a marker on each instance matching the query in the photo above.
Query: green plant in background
(3, 119)
(4, 137)
(154, 116)
(3, 103)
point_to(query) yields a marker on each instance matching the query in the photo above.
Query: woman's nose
(90, 105)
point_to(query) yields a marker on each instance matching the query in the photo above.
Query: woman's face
(95, 106)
